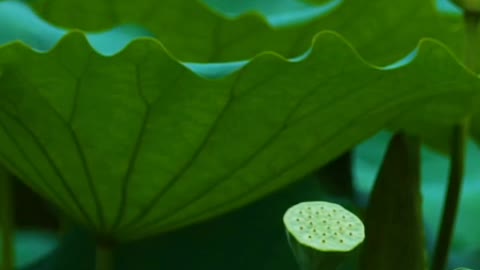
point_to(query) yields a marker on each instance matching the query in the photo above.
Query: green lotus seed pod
(320, 234)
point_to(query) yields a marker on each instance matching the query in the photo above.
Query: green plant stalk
(7, 220)
(311, 259)
(472, 40)
(450, 208)
(394, 226)
(104, 257)
(458, 149)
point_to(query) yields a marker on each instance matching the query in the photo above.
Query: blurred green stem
(457, 167)
(394, 227)
(104, 257)
(472, 40)
(7, 220)
(458, 149)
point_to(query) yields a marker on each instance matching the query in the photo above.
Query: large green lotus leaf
(136, 144)
(421, 123)
(20, 20)
(381, 31)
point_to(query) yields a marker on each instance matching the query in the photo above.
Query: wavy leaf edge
(316, 43)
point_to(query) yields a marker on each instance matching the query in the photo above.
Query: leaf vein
(52, 164)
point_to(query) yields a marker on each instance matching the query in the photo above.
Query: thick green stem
(472, 40)
(458, 145)
(457, 167)
(394, 227)
(7, 221)
(104, 257)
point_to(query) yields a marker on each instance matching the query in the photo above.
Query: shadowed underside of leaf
(380, 31)
(136, 144)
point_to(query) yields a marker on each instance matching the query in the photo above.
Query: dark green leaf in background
(19, 23)
(278, 13)
(380, 31)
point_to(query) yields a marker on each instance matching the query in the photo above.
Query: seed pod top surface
(324, 226)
